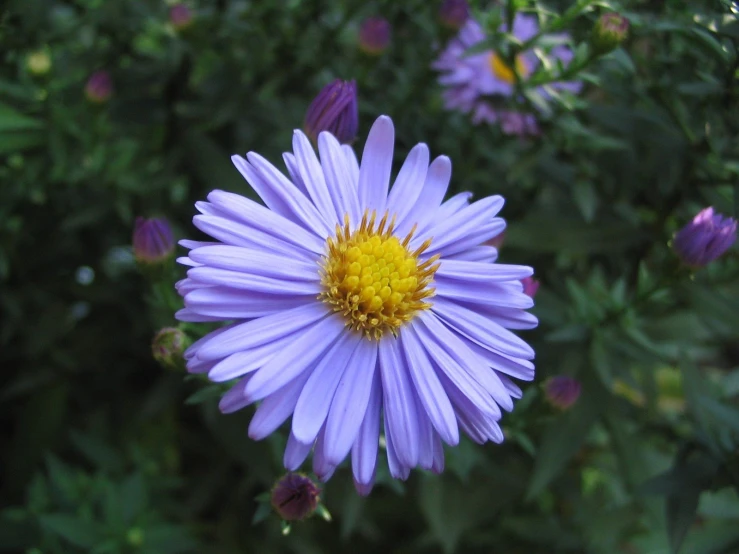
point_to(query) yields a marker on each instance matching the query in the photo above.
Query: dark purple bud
(562, 391)
(334, 110)
(609, 31)
(168, 346)
(530, 286)
(295, 497)
(454, 13)
(180, 16)
(374, 35)
(153, 241)
(704, 239)
(99, 87)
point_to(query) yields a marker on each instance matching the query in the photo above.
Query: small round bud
(38, 62)
(153, 241)
(99, 87)
(609, 31)
(454, 13)
(180, 16)
(530, 286)
(562, 391)
(334, 110)
(295, 497)
(704, 239)
(374, 35)
(168, 346)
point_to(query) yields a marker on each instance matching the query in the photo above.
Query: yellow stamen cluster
(373, 279)
(503, 71)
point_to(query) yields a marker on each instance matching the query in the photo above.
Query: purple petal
(364, 451)
(377, 159)
(276, 408)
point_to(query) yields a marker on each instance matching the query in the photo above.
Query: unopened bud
(39, 62)
(374, 35)
(609, 31)
(562, 391)
(99, 87)
(180, 16)
(334, 110)
(295, 497)
(153, 241)
(705, 238)
(454, 13)
(168, 346)
(530, 286)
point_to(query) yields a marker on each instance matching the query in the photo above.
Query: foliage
(106, 453)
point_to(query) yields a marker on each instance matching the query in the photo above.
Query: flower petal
(276, 408)
(312, 174)
(227, 303)
(429, 388)
(315, 399)
(434, 190)
(291, 362)
(408, 184)
(257, 262)
(364, 451)
(295, 453)
(398, 393)
(377, 159)
(349, 404)
(479, 272)
(338, 178)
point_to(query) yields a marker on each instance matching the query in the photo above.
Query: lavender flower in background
(374, 35)
(530, 286)
(295, 497)
(153, 241)
(180, 16)
(705, 238)
(99, 87)
(334, 110)
(475, 83)
(454, 13)
(609, 31)
(347, 300)
(562, 391)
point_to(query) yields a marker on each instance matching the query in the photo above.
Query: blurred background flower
(374, 35)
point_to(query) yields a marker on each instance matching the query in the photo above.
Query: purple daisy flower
(472, 82)
(356, 308)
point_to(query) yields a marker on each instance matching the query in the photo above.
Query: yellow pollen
(372, 278)
(504, 72)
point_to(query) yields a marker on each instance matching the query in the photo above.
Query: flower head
(477, 83)
(562, 391)
(609, 31)
(153, 241)
(374, 35)
(454, 13)
(168, 346)
(295, 497)
(180, 16)
(352, 303)
(704, 239)
(530, 286)
(99, 87)
(334, 110)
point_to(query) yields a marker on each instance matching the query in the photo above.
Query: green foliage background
(103, 452)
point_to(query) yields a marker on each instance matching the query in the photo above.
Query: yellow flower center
(373, 279)
(503, 71)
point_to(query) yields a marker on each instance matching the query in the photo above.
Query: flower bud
(704, 239)
(153, 241)
(374, 35)
(497, 241)
(39, 62)
(180, 16)
(295, 497)
(99, 87)
(168, 346)
(562, 391)
(454, 13)
(530, 286)
(609, 31)
(334, 110)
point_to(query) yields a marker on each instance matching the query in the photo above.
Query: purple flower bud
(168, 346)
(704, 239)
(153, 241)
(99, 87)
(295, 497)
(562, 391)
(334, 110)
(530, 286)
(374, 35)
(609, 31)
(180, 16)
(454, 13)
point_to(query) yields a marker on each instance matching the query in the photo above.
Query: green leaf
(205, 394)
(680, 513)
(12, 120)
(74, 530)
(565, 435)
